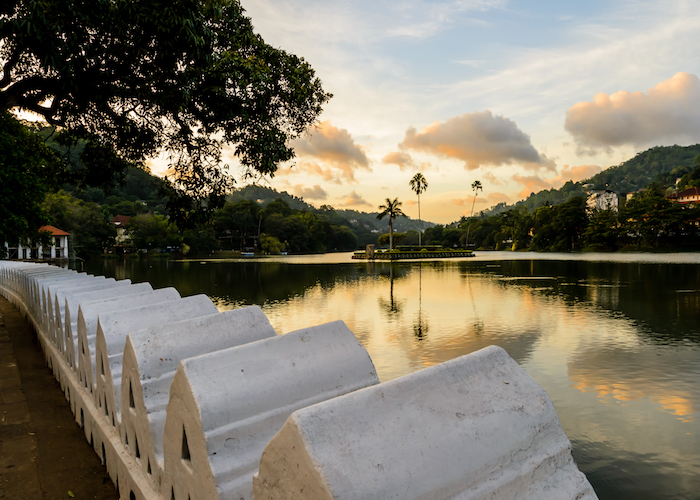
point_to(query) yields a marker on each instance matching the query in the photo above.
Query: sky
(520, 95)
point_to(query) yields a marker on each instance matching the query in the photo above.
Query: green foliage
(392, 209)
(28, 170)
(90, 231)
(271, 245)
(559, 228)
(399, 238)
(124, 80)
(237, 225)
(153, 232)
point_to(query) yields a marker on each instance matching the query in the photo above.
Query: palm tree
(392, 208)
(476, 186)
(419, 185)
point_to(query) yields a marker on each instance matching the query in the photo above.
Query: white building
(602, 200)
(690, 195)
(57, 250)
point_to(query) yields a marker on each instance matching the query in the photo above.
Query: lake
(613, 338)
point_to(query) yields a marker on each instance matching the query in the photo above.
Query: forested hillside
(662, 163)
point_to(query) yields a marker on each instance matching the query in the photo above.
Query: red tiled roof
(121, 220)
(689, 192)
(54, 231)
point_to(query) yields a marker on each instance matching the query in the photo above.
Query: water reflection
(616, 345)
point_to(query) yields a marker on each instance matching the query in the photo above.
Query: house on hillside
(602, 200)
(58, 248)
(690, 195)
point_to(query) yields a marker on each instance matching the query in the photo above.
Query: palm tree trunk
(420, 223)
(466, 242)
(391, 234)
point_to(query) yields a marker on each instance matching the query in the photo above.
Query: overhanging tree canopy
(133, 78)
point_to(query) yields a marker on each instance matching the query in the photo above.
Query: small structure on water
(407, 252)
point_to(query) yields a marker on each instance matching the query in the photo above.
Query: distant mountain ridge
(363, 221)
(657, 163)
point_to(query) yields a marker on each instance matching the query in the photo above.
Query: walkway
(43, 452)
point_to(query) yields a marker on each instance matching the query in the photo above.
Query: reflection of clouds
(625, 375)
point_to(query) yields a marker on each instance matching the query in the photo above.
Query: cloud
(496, 198)
(312, 193)
(668, 112)
(477, 139)
(400, 158)
(353, 200)
(334, 147)
(405, 161)
(464, 202)
(489, 176)
(410, 203)
(534, 183)
(577, 173)
(328, 174)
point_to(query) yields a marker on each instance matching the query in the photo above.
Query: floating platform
(407, 252)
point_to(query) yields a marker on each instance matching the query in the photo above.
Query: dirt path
(43, 452)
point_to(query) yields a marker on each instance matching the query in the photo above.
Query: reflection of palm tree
(419, 329)
(393, 306)
(476, 186)
(392, 208)
(419, 185)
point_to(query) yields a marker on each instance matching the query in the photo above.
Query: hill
(360, 222)
(662, 164)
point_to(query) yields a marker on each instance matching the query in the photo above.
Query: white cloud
(477, 139)
(353, 200)
(310, 193)
(668, 112)
(335, 148)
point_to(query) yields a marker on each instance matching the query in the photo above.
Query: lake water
(613, 338)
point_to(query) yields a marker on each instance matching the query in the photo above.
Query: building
(690, 195)
(120, 222)
(58, 249)
(602, 200)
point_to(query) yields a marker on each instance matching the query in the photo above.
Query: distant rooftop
(54, 231)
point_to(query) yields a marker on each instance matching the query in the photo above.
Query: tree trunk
(391, 234)
(420, 223)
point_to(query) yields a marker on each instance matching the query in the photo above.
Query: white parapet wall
(212, 398)
(87, 325)
(225, 406)
(57, 303)
(112, 330)
(52, 318)
(72, 303)
(476, 427)
(151, 357)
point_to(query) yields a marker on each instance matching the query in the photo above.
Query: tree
(392, 208)
(28, 170)
(125, 80)
(151, 232)
(476, 186)
(90, 231)
(419, 185)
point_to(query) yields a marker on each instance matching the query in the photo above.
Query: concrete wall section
(87, 325)
(151, 357)
(72, 303)
(476, 427)
(57, 302)
(114, 326)
(225, 406)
